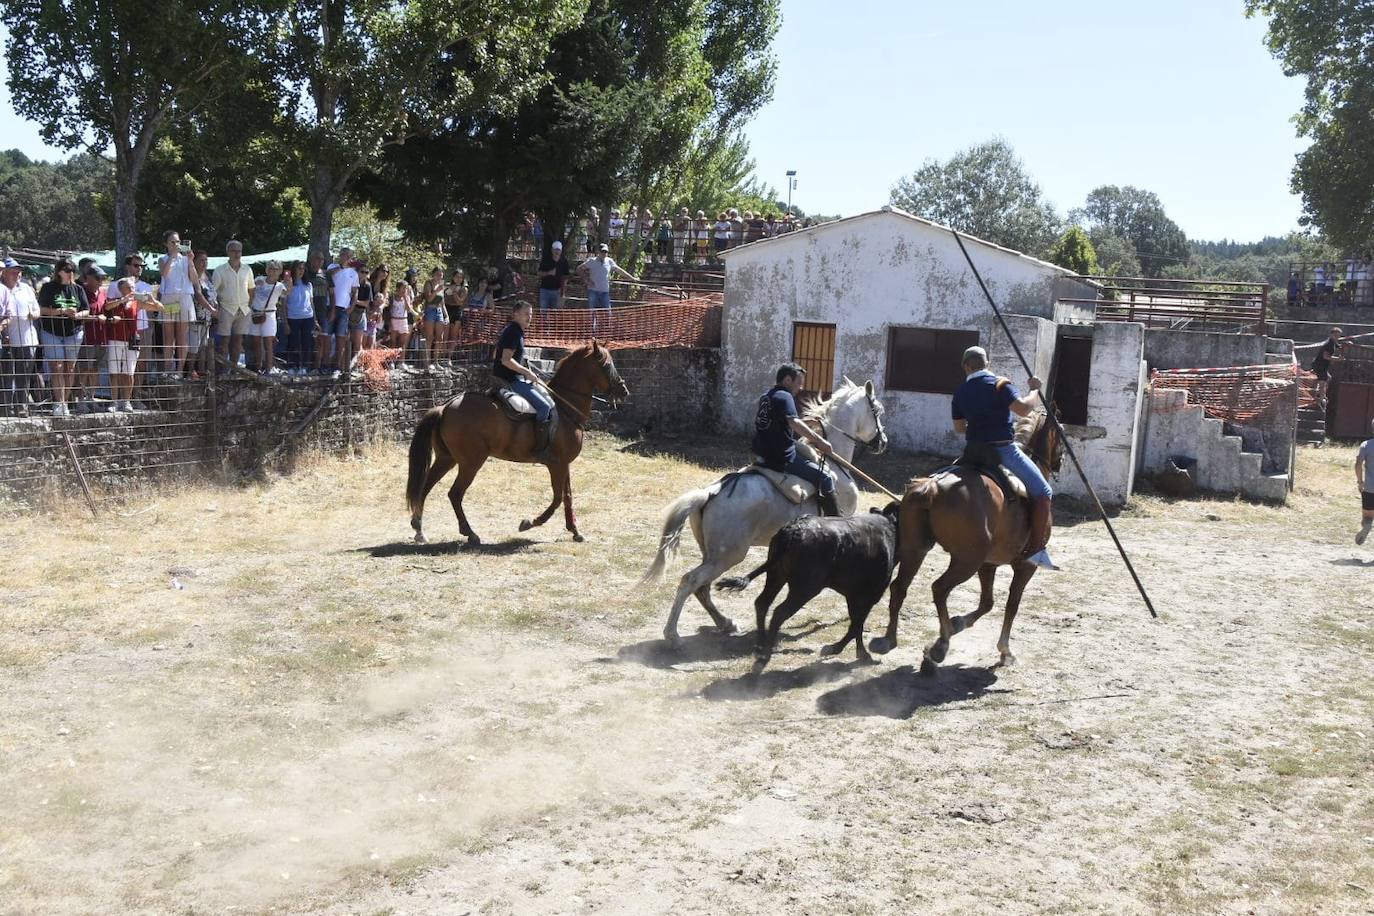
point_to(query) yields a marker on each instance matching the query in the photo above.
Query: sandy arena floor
(267, 700)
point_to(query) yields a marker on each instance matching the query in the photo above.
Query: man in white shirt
(233, 293)
(345, 281)
(20, 336)
(596, 274)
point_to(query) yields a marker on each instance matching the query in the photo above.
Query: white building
(888, 296)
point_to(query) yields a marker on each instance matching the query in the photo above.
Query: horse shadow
(1352, 561)
(707, 645)
(446, 548)
(899, 693)
(775, 681)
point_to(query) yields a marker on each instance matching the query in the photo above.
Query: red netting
(661, 322)
(1239, 394)
(375, 365)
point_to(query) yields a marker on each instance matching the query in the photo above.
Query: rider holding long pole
(982, 409)
(776, 430)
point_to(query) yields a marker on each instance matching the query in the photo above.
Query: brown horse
(967, 514)
(471, 428)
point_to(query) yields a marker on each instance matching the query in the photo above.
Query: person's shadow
(899, 693)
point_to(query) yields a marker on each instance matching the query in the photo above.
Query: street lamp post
(791, 183)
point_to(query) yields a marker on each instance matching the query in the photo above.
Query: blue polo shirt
(774, 440)
(986, 406)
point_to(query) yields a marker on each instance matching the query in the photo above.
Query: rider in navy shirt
(509, 366)
(982, 409)
(776, 428)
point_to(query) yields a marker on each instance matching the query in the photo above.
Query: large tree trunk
(128, 165)
(324, 198)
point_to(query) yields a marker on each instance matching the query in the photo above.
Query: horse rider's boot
(1041, 521)
(542, 439)
(828, 504)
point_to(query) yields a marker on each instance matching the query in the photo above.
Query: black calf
(853, 556)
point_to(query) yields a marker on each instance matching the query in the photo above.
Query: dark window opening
(1069, 381)
(927, 359)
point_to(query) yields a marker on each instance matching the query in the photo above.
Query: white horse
(740, 511)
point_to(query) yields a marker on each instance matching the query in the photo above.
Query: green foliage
(986, 192)
(54, 205)
(1266, 261)
(1330, 43)
(379, 241)
(104, 75)
(1137, 216)
(1075, 251)
(1115, 255)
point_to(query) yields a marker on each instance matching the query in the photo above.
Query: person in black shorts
(1364, 479)
(1321, 363)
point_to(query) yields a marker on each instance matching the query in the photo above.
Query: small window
(813, 348)
(1069, 381)
(927, 359)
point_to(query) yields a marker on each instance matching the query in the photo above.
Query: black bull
(854, 556)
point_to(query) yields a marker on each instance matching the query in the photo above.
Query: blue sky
(1180, 97)
(1176, 96)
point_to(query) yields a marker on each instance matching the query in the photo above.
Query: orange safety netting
(1238, 394)
(375, 365)
(662, 323)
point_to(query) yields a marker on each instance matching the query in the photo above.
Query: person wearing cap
(233, 295)
(596, 273)
(1328, 353)
(177, 292)
(19, 334)
(777, 426)
(92, 352)
(982, 409)
(553, 278)
(62, 306)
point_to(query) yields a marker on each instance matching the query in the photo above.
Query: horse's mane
(1026, 427)
(816, 409)
(592, 350)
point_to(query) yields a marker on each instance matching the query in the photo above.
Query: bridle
(877, 421)
(613, 379)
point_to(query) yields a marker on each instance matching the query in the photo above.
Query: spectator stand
(1192, 305)
(1345, 283)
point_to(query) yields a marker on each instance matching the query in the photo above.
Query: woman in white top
(176, 292)
(399, 314)
(19, 315)
(270, 291)
(722, 233)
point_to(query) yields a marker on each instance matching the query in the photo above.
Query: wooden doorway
(813, 348)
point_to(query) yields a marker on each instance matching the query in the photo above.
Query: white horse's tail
(675, 516)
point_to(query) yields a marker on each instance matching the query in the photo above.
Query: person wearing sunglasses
(62, 304)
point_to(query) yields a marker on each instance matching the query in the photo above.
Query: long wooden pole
(855, 471)
(1102, 513)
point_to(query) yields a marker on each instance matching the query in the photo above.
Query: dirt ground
(267, 700)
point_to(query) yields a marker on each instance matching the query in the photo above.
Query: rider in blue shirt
(982, 409)
(776, 429)
(509, 366)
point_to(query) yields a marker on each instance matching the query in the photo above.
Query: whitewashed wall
(1106, 445)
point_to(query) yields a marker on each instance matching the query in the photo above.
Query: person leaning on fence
(1364, 479)
(300, 321)
(234, 293)
(553, 278)
(177, 291)
(268, 293)
(596, 273)
(123, 315)
(1328, 353)
(21, 337)
(62, 305)
(92, 354)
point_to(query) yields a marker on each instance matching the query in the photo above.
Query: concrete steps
(1222, 464)
(1311, 426)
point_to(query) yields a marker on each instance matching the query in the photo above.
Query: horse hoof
(420, 538)
(577, 538)
(728, 628)
(937, 650)
(526, 524)
(1008, 660)
(829, 650)
(927, 667)
(881, 645)
(670, 636)
(866, 660)
(474, 541)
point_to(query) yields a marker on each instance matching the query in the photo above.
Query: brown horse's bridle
(612, 377)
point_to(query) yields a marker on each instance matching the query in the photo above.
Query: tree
(984, 191)
(1115, 255)
(1330, 43)
(1139, 217)
(361, 76)
(54, 205)
(104, 75)
(1075, 251)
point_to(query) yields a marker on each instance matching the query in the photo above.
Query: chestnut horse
(967, 514)
(471, 428)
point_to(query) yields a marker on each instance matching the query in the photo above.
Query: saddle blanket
(794, 488)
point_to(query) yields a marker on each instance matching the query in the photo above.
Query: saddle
(794, 488)
(981, 457)
(516, 406)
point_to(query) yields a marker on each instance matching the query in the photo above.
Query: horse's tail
(421, 451)
(674, 518)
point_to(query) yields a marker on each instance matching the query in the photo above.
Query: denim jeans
(548, 299)
(1019, 463)
(541, 402)
(812, 473)
(598, 299)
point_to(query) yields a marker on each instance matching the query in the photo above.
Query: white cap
(558, 245)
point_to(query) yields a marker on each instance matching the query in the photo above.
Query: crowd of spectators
(681, 238)
(1328, 283)
(80, 341)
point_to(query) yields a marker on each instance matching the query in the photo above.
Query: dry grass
(326, 718)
